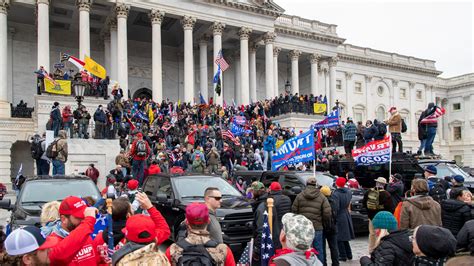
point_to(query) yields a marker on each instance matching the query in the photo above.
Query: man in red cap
(140, 151)
(197, 219)
(75, 245)
(281, 202)
(395, 128)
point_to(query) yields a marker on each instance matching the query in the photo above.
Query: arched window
(380, 113)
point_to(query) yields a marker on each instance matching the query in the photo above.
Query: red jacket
(134, 147)
(229, 259)
(76, 249)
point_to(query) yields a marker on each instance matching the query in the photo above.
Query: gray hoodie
(214, 228)
(297, 258)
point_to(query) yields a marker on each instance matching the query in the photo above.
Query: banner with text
(374, 152)
(295, 150)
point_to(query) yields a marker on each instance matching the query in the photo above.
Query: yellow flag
(94, 68)
(151, 115)
(319, 108)
(62, 87)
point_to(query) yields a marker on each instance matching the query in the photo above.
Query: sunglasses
(216, 198)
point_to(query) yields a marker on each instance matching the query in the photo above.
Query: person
(312, 204)
(296, 241)
(455, 212)
(100, 121)
(198, 164)
(375, 200)
(37, 153)
(349, 135)
(437, 187)
(419, 208)
(382, 130)
(29, 245)
(73, 234)
(197, 219)
(83, 117)
(92, 173)
(122, 160)
(392, 247)
(67, 121)
(430, 122)
(140, 151)
(457, 182)
(370, 131)
(345, 230)
(280, 201)
(55, 117)
(395, 128)
(330, 228)
(268, 148)
(432, 245)
(422, 135)
(212, 199)
(61, 147)
(396, 188)
(465, 238)
(49, 217)
(40, 74)
(212, 159)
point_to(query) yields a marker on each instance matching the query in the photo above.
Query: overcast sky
(440, 31)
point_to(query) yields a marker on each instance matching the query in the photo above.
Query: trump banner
(295, 150)
(374, 152)
(331, 120)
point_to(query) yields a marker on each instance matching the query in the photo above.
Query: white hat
(23, 240)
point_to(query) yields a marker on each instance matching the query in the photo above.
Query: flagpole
(390, 161)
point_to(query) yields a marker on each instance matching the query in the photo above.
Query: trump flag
(374, 152)
(295, 150)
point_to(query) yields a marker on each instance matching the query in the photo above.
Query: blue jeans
(58, 167)
(422, 145)
(137, 170)
(42, 167)
(431, 134)
(318, 244)
(267, 159)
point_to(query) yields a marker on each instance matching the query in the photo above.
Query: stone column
(276, 52)
(122, 51)
(392, 92)
(253, 72)
(237, 80)
(4, 104)
(42, 21)
(156, 17)
(112, 22)
(217, 29)
(244, 34)
(84, 28)
(314, 60)
(106, 38)
(269, 39)
(349, 93)
(371, 115)
(295, 83)
(188, 25)
(332, 81)
(203, 67)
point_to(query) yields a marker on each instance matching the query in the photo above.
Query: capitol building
(167, 49)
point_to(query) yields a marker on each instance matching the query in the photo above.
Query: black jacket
(454, 214)
(466, 237)
(394, 249)
(282, 203)
(396, 190)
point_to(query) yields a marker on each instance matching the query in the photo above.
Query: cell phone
(140, 190)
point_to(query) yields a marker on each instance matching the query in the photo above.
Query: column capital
(314, 58)
(112, 22)
(411, 84)
(333, 61)
(395, 82)
(269, 37)
(348, 75)
(253, 47)
(4, 6)
(276, 51)
(122, 10)
(204, 39)
(244, 33)
(84, 5)
(217, 28)
(368, 78)
(156, 16)
(188, 22)
(294, 54)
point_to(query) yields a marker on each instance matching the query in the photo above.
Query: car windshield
(195, 187)
(323, 179)
(449, 169)
(45, 191)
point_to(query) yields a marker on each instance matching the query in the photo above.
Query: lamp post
(79, 88)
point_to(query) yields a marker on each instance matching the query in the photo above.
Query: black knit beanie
(435, 242)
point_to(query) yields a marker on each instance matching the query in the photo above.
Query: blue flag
(202, 99)
(217, 75)
(100, 225)
(267, 250)
(237, 130)
(331, 120)
(295, 150)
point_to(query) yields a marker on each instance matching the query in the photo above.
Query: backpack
(437, 191)
(36, 150)
(52, 150)
(330, 226)
(141, 148)
(373, 200)
(404, 126)
(382, 129)
(196, 255)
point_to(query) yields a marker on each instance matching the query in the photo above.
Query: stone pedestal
(5, 110)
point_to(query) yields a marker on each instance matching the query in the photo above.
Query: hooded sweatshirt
(290, 257)
(312, 204)
(418, 210)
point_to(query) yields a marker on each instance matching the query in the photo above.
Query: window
(358, 87)
(456, 106)
(457, 133)
(419, 95)
(380, 90)
(380, 113)
(458, 159)
(358, 117)
(338, 85)
(403, 93)
(165, 187)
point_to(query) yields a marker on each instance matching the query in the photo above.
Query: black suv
(170, 194)
(38, 190)
(448, 168)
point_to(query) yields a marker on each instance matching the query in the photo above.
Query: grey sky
(440, 31)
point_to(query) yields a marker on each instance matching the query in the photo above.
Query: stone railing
(306, 24)
(21, 111)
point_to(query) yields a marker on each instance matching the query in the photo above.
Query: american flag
(266, 251)
(221, 61)
(246, 257)
(228, 134)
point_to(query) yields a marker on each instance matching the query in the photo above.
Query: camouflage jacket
(147, 255)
